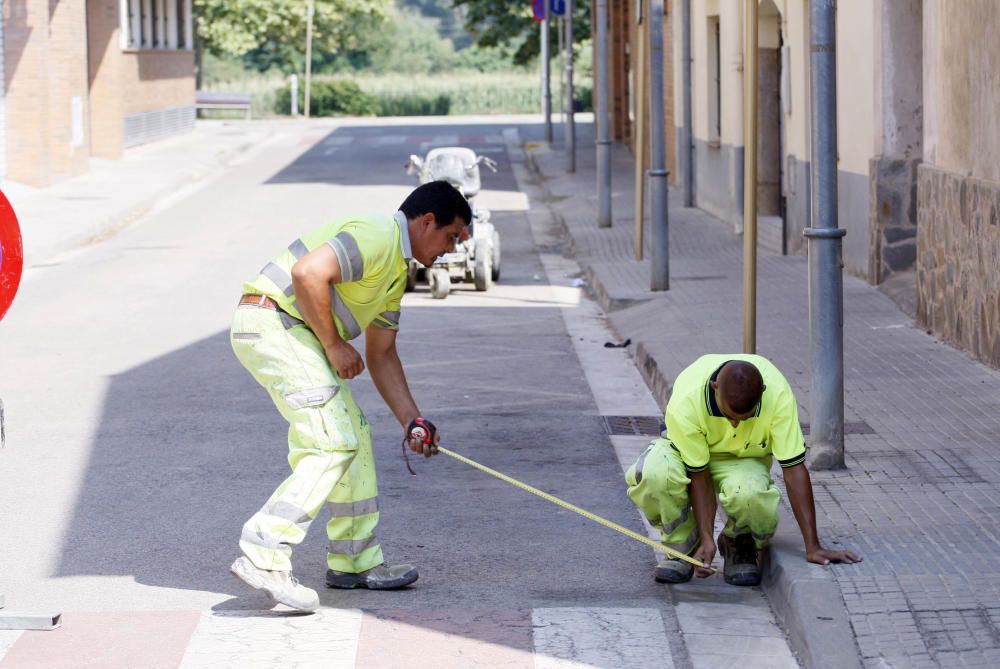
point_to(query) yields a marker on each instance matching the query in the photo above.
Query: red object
(538, 9)
(11, 255)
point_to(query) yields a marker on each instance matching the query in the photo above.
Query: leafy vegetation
(401, 57)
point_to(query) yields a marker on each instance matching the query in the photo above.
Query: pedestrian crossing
(541, 638)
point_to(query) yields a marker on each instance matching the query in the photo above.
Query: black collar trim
(710, 404)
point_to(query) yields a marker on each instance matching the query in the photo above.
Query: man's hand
(423, 437)
(705, 554)
(820, 555)
(345, 360)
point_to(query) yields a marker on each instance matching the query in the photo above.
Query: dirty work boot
(280, 586)
(740, 555)
(672, 570)
(381, 577)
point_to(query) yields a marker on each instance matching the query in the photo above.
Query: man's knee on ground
(745, 492)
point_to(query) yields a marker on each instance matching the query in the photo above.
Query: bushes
(412, 104)
(329, 97)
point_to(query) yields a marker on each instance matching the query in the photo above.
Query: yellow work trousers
(329, 444)
(658, 485)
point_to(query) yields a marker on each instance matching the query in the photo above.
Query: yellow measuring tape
(566, 505)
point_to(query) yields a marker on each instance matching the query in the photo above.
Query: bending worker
(727, 417)
(291, 331)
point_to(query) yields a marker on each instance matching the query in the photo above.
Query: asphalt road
(139, 445)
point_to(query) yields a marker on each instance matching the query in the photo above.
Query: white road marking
(585, 638)
(7, 639)
(238, 639)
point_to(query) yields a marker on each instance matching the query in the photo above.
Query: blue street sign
(557, 7)
(538, 9)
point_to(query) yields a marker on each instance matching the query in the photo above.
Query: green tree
(510, 25)
(275, 30)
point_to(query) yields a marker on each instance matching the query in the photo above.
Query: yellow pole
(640, 134)
(309, 48)
(750, 178)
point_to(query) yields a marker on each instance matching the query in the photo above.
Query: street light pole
(603, 135)
(750, 178)
(546, 87)
(826, 290)
(570, 109)
(659, 217)
(309, 48)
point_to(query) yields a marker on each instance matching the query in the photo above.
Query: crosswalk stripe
(239, 639)
(7, 639)
(437, 638)
(582, 638)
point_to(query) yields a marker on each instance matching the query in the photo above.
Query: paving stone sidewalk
(919, 496)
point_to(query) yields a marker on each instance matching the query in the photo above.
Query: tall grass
(466, 92)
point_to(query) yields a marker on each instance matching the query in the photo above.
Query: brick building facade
(88, 79)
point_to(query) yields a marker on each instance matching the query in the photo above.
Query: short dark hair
(439, 198)
(741, 385)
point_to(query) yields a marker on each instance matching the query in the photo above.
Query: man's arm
(800, 496)
(702, 495)
(390, 380)
(312, 277)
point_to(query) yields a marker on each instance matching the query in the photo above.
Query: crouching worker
(727, 417)
(291, 332)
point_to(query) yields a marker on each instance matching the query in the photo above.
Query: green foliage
(502, 23)
(413, 104)
(468, 92)
(410, 43)
(275, 30)
(329, 97)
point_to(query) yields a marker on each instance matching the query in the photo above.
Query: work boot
(381, 577)
(280, 586)
(672, 570)
(740, 555)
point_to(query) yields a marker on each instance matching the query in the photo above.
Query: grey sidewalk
(918, 499)
(115, 193)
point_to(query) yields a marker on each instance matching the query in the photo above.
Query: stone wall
(958, 260)
(893, 217)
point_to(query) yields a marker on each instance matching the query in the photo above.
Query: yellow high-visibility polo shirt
(372, 252)
(699, 431)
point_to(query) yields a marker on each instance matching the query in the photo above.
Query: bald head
(740, 386)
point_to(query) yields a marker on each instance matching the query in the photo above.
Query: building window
(155, 24)
(714, 81)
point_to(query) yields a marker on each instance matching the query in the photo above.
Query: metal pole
(546, 88)
(687, 134)
(570, 108)
(603, 121)
(309, 48)
(294, 85)
(750, 178)
(826, 290)
(641, 122)
(561, 66)
(660, 270)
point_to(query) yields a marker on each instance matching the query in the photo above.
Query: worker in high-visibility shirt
(291, 331)
(727, 418)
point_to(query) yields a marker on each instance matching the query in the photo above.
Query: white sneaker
(280, 586)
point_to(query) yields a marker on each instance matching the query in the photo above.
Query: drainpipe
(570, 110)
(603, 135)
(826, 290)
(687, 135)
(660, 270)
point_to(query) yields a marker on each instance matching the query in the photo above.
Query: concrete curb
(807, 601)
(805, 598)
